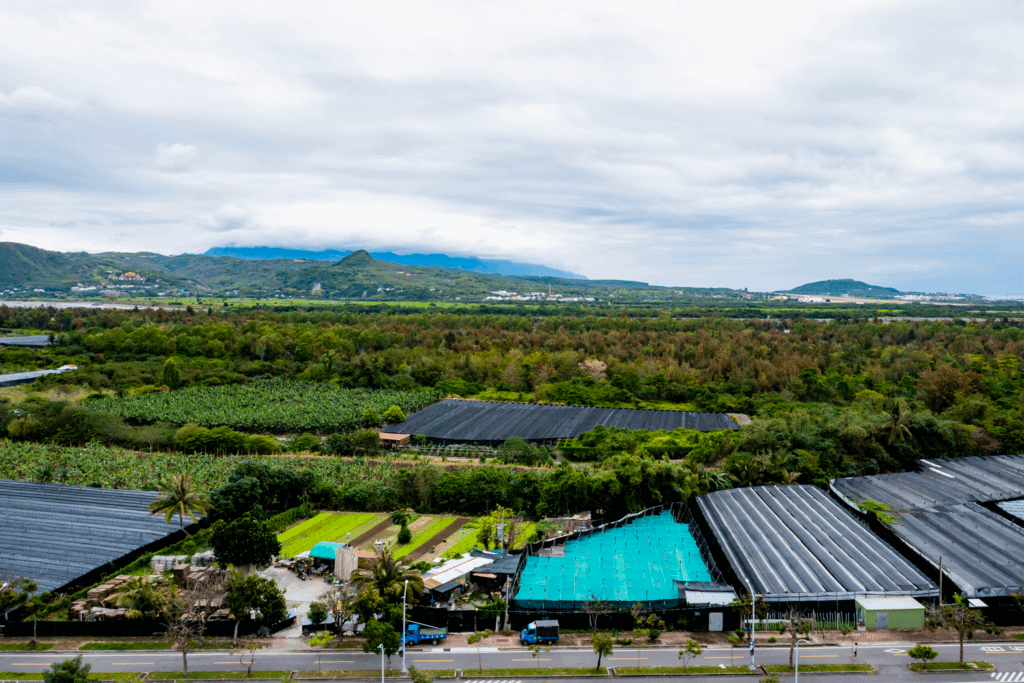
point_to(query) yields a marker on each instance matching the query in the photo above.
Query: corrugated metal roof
(794, 542)
(453, 569)
(939, 515)
(54, 534)
(28, 340)
(26, 377)
(885, 603)
(1013, 507)
(485, 421)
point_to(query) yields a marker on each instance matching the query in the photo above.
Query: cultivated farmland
(263, 406)
(327, 526)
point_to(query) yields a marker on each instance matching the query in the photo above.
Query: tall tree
(244, 541)
(178, 496)
(378, 633)
(247, 593)
(956, 617)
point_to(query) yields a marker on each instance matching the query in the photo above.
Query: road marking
(433, 660)
(532, 660)
(1009, 676)
(625, 659)
(335, 661)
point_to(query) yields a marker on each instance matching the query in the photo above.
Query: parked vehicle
(539, 632)
(420, 633)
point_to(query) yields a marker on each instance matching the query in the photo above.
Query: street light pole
(796, 663)
(753, 616)
(404, 628)
(382, 663)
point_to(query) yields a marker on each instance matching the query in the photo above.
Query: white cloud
(174, 157)
(735, 143)
(35, 98)
(229, 217)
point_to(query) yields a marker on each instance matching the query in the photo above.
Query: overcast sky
(739, 144)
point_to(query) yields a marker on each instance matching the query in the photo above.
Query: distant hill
(470, 263)
(841, 287)
(355, 276)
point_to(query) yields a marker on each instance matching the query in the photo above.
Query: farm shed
(37, 341)
(938, 513)
(895, 612)
(795, 544)
(394, 440)
(57, 535)
(16, 378)
(486, 422)
(1014, 508)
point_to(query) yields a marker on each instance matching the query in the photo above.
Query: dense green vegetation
(268, 405)
(826, 399)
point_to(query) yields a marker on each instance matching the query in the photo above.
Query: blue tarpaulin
(324, 550)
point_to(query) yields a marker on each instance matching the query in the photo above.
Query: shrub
(393, 415)
(404, 535)
(371, 418)
(260, 444)
(306, 443)
(339, 444)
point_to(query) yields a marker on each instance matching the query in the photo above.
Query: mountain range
(470, 263)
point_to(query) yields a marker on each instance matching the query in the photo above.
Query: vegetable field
(424, 535)
(268, 405)
(327, 526)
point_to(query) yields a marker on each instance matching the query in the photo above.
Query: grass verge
(647, 670)
(25, 646)
(1018, 636)
(150, 645)
(952, 666)
(369, 673)
(818, 668)
(534, 671)
(177, 675)
(38, 676)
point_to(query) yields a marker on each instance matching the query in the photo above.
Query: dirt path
(371, 535)
(437, 538)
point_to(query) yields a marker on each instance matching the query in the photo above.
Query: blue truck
(421, 633)
(539, 632)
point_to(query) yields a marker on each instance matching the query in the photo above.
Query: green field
(424, 535)
(327, 526)
(461, 545)
(269, 405)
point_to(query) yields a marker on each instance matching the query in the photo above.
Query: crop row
(265, 405)
(331, 529)
(424, 535)
(464, 545)
(305, 526)
(109, 468)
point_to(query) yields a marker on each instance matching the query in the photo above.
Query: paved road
(891, 661)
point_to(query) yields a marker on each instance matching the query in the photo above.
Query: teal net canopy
(642, 561)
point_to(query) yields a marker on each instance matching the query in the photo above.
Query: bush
(260, 444)
(404, 535)
(306, 443)
(371, 418)
(653, 634)
(339, 444)
(317, 613)
(393, 415)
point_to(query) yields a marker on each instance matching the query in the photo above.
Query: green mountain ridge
(24, 269)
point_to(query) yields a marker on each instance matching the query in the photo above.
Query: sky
(737, 144)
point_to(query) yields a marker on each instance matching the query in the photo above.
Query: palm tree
(177, 495)
(387, 576)
(140, 597)
(896, 419)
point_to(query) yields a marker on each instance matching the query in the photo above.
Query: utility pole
(382, 663)
(404, 627)
(940, 581)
